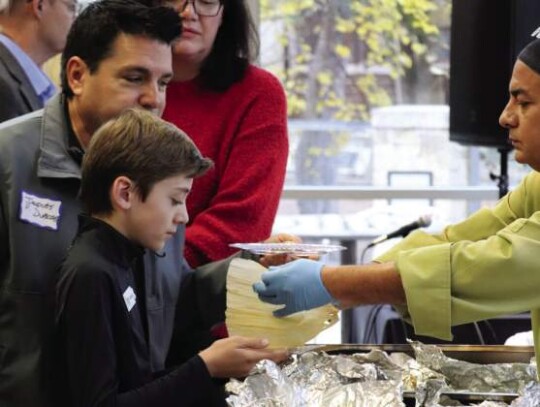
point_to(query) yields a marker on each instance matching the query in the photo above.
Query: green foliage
(344, 55)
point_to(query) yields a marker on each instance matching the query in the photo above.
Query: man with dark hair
(117, 56)
(31, 32)
(485, 266)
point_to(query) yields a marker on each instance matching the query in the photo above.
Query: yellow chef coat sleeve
(520, 203)
(477, 269)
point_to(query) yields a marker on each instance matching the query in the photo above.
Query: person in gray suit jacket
(31, 32)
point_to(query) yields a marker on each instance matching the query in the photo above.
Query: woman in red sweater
(236, 114)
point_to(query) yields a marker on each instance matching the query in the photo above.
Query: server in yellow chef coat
(485, 266)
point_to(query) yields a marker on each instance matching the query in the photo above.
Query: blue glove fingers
(270, 277)
(297, 285)
(283, 312)
(259, 287)
(272, 296)
(272, 300)
(266, 283)
(266, 293)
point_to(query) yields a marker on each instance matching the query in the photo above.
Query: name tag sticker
(130, 298)
(39, 211)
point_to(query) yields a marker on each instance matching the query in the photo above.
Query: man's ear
(122, 193)
(36, 7)
(76, 73)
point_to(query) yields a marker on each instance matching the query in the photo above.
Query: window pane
(367, 86)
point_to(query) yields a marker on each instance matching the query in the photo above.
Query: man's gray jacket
(39, 184)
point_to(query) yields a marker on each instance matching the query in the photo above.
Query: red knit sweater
(244, 130)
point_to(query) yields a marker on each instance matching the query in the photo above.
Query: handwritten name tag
(130, 298)
(40, 211)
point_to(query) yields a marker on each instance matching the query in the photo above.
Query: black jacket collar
(115, 245)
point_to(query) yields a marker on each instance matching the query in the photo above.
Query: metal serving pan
(482, 354)
(469, 353)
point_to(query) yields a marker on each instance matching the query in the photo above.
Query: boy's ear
(122, 193)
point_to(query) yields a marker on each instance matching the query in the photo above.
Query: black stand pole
(502, 179)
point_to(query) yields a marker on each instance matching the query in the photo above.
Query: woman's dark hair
(95, 30)
(235, 46)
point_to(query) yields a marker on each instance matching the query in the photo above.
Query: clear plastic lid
(297, 249)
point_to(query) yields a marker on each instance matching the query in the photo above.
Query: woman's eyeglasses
(207, 8)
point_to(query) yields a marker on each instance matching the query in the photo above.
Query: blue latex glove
(297, 285)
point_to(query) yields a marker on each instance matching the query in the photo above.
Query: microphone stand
(502, 178)
(502, 184)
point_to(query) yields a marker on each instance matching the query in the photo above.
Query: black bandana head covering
(530, 55)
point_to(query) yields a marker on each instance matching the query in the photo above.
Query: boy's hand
(236, 356)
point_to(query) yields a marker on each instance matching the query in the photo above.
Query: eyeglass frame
(186, 2)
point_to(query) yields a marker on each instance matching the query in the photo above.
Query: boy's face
(521, 116)
(152, 222)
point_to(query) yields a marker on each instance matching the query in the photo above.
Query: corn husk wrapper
(246, 315)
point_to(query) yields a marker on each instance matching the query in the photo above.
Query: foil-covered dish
(423, 376)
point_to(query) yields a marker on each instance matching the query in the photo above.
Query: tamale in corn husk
(246, 315)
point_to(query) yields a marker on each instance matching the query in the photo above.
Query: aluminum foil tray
(468, 353)
(393, 376)
(481, 354)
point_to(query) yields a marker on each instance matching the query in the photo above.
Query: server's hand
(296, 285)
(279, 259)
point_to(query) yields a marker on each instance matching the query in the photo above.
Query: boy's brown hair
(142, 147)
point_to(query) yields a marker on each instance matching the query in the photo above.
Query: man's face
(152, 222)
(56, 19)
(135, 74)
(521, 116)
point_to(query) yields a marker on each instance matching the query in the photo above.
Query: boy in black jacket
(136, 176)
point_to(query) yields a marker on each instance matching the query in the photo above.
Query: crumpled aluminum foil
(530, 396)
(317, 379)
(413, 374)
(473, 377)
(373, 379)
(266, 386)
(382, 393)
(428, 392)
